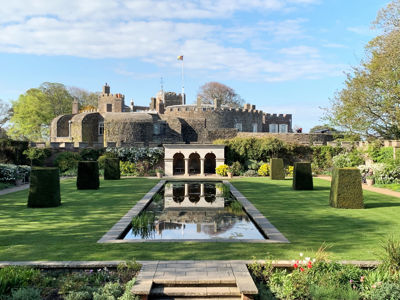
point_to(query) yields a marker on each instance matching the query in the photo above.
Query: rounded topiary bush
(44, 190)
(88, 175)
(111, 169)
(302, 176)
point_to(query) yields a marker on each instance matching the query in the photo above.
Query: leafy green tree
(319, 128)
(369, 104)
(215, 90)
(34, 110)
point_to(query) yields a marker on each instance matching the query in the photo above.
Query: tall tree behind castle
(369, 104)
(215, 90)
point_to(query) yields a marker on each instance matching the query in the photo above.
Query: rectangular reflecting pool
(193, 211)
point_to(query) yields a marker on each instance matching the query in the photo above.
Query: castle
(167, 120)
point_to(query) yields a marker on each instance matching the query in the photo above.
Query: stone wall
(127, 132)
(298, 138)
(277, 119)
(117, 102)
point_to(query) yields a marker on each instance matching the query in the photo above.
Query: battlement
(208, 108)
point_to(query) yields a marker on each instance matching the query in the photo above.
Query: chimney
(198, 102)
(217, 103)
(106, 89)
(132, 105)
(75, 106)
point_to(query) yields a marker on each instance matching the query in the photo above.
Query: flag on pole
(180, 57)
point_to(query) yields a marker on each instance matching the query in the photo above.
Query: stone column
(202, 166)
(202, 190)
(186, 166)
(186, 189)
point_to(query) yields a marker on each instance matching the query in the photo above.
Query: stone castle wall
(116, 100)
(277, 119)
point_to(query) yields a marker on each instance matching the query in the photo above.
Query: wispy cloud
(362, 30)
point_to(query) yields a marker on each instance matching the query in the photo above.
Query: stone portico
(193, 159)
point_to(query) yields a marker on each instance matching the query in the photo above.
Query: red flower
(309, 265)
(295, 266)
(301, 269)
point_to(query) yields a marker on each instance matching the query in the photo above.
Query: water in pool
(195, 211)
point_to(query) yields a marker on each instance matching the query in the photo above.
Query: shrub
(11, 152)
(109, 291)
(127, 293)
(127, 168)
(322, 157)
(13, 277)
(302, 176)
(103, 157)
(81, 295)
(26, 293)
(391, 256)
(128, 270)
(333, 292)
(88, 175)
(250, 173)
(111, 169)
(37, 156)
(236, 168)
(90, 154)
(10, 173)
(346, 190)
(348, 159)
(222, 170)
(264, 170)
(44, 190)
(289, 171)
(152, 155)
(277, 169)
(67, 160)
(385, 291)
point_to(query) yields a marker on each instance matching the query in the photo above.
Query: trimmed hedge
(346, 189)
(111, 169)
(44, 190)
(302, 176)
(277, 169)
(88, 175)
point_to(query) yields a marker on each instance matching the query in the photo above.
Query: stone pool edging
(115, 232)
(264, 225)
(269, 230)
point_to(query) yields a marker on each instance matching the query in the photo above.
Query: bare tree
(85, 98)
(215, 90)
(5, 113)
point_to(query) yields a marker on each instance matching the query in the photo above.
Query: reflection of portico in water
(193, 195)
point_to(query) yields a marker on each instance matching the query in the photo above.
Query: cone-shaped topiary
(277, 169)
(302, 176)
(44, 190)
(111, 169)
(346, 189)
(88, 175)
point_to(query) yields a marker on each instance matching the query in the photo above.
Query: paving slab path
(14, 189)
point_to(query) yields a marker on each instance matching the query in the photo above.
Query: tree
(85, 98)
(5, 113)
(34, 110)
(369, 104)
(215, 90)
(322, 128)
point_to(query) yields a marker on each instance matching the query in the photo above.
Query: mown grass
(392, 186)
(70, 232)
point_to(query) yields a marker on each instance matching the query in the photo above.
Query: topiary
(67, 161)
(88, 175)
(302, 176)
(44, 190)
(346, 190)
(236, 168)
(90, 154)
(111, 169)
(103, 157)
(264, 170)
(222, 170)
(277, 169)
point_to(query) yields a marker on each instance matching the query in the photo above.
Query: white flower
(307, 258)
(301, 254)
(313, 260)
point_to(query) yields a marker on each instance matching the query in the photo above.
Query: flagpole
(183, 86)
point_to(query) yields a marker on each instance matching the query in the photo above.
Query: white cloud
(157, 31)
(362, 30)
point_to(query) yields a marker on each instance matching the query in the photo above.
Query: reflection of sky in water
(179, 217)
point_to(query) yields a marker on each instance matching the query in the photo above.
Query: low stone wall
(297, 138)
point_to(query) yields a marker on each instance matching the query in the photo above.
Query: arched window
(194, 163)
(179, 164)
(209, 163)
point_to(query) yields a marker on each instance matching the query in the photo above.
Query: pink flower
(362, 278)
(301, 269)
(351, 281)
(373, 286)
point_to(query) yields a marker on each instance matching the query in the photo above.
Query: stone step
(182, 291)
(196, 298)
(231, 281)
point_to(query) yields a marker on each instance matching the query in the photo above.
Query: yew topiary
(88, 175)
(44, 190)
(111, 169)
(302, 176)
(346, 189)
(277, 169)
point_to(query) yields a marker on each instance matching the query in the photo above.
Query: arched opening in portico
(209, 163)
(194, 163)
(179, 164)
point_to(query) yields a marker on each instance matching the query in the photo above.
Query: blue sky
(285, 56)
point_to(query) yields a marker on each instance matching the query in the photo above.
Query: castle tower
(109, 102)
(75, 106)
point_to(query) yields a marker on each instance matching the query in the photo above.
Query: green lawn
(392, 186)
(70, 232)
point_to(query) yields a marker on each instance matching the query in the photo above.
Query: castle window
(156, 128)
(283, 128)
(255, 127)
(238, 126)
(101, 128)
(273, 128)
(109, 107)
